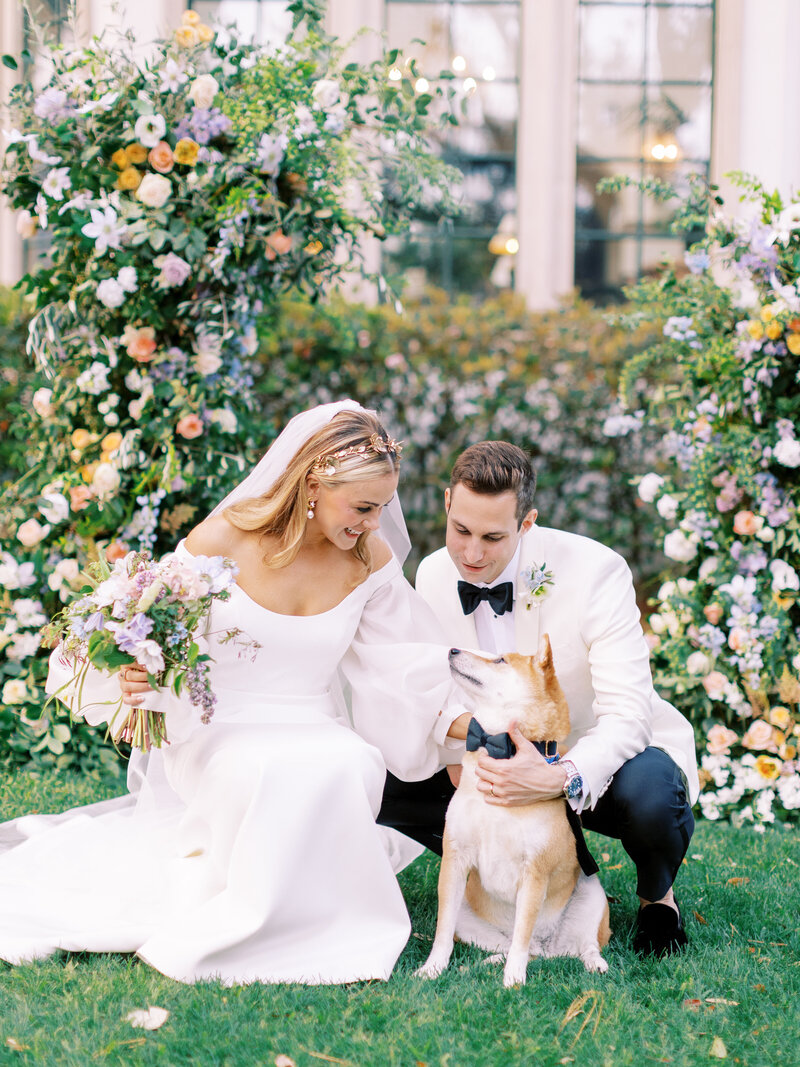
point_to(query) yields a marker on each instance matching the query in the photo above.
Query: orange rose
(713, 613)
(313, 247)
(186, 151)
(116, 550)
(794, 325)
(190, 426)
(120, 159)
(793, 343)
(141, 342)
(745, 522)
(136, 153)
(768, 767)
(129, 179)
(278, 244)
(111, 441)
(79, 497)
(80, 438)
(161, 158)
(87, 471)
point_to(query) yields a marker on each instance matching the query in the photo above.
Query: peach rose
(190, 426)
(720, 739)
(129, 179)
(737, 638)
(715, 684)
(116, 550)
(759, 735)
(140, 342)
(768, 767)
(136, 153)
(80, 438)
(161, 158)
(745, 522)
(278, 244)
(186, 151)
(79, 497)
(111, 441)
(713, 613)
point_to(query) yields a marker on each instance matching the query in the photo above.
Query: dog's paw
(430, 969)
(595, 962)
(496, 957)
(516, 972)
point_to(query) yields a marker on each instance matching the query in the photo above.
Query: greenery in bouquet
(178, 196)
(723, 387)
(145, 612)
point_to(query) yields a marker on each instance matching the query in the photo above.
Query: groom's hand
(523, 779)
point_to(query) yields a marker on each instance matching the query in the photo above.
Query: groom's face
(482, 531)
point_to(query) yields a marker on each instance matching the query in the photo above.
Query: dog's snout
(453, 653)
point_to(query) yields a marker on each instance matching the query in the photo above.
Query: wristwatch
(573, 786)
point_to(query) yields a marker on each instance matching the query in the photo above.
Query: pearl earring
(311, 505)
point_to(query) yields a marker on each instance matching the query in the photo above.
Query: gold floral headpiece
(326, 464)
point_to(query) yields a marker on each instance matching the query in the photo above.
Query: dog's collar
(500, 746)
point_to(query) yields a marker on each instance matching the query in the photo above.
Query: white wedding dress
(247, 849)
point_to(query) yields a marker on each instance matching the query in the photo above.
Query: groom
(630, 772)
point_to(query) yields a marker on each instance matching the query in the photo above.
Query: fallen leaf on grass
(328, 1059)
(605, 857)
(147, 1020)
(718, 1050)
(700, 918)
(12, 1043)
(693, 1005)
(737, 881)
(759, 988)
(284, 1061)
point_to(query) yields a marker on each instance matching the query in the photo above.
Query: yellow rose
(87, 472)
(780, 717)
(190, 18)
(205, 33)
(774, 330)
(793, 343)
(187, 36)
(129, 179)
(313, 247)
(120, 159)
(768, 313)
(80, 438)
(186, 151)
(111, 441)
(768, 767)
(136, 153)
(755, 329)
(787, 752)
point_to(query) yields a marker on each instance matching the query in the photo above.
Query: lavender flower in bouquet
(148, 612)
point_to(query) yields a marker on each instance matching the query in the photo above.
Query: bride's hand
(133, 683)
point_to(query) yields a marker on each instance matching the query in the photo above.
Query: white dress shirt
(496, 633)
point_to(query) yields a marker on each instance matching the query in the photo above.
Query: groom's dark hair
(494, 467)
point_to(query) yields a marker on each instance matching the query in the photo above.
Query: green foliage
(445, 373)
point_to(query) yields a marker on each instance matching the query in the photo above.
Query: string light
(395, 74)
(489, 74)
(469, 86)
(422, 85)
(459, 64)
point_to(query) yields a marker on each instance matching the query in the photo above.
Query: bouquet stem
(143, 729)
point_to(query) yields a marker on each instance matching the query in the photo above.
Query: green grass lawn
(739, 982)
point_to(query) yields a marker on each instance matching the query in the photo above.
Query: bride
(247, 849)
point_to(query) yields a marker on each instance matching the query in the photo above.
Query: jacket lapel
(527, 621)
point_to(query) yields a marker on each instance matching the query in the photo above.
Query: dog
(510, 881)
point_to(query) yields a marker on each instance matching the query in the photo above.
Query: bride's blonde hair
(282, 512)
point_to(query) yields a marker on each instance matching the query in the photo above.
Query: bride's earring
(311, 505)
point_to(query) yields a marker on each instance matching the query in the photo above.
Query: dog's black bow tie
(500, 597)
(500, 746)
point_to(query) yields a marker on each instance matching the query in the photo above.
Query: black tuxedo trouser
(645, 807)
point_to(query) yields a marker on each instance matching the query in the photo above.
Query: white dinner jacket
(599, 651)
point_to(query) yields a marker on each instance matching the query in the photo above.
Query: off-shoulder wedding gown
(247, 849)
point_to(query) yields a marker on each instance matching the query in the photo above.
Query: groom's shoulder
(583, 552)
(434, 565)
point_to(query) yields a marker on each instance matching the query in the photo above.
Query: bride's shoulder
(215, 536)
(380, 553)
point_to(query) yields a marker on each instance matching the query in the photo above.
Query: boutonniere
(537, 582)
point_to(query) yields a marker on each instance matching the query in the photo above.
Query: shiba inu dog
(510, 880)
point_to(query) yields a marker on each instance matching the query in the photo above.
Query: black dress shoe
(659, 931)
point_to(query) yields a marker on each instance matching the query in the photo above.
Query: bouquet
(147, 612)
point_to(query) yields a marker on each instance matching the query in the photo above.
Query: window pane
(426, 22)
(609, 121)
(489, 192)
(658, 216)
(263, 21)
(657, 250)
(679, 44)
(612, 42)
(490, 124)
(679, 116)
(487, 36)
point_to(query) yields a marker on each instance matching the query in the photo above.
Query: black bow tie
(500, 597)
(498, 746)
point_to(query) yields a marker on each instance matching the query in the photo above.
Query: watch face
(574, 786)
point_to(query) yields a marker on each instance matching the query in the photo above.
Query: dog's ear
(544, 653)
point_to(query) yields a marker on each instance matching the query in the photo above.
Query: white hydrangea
(15, 575)
(94, 380)
(789, 791)
(679, 547)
